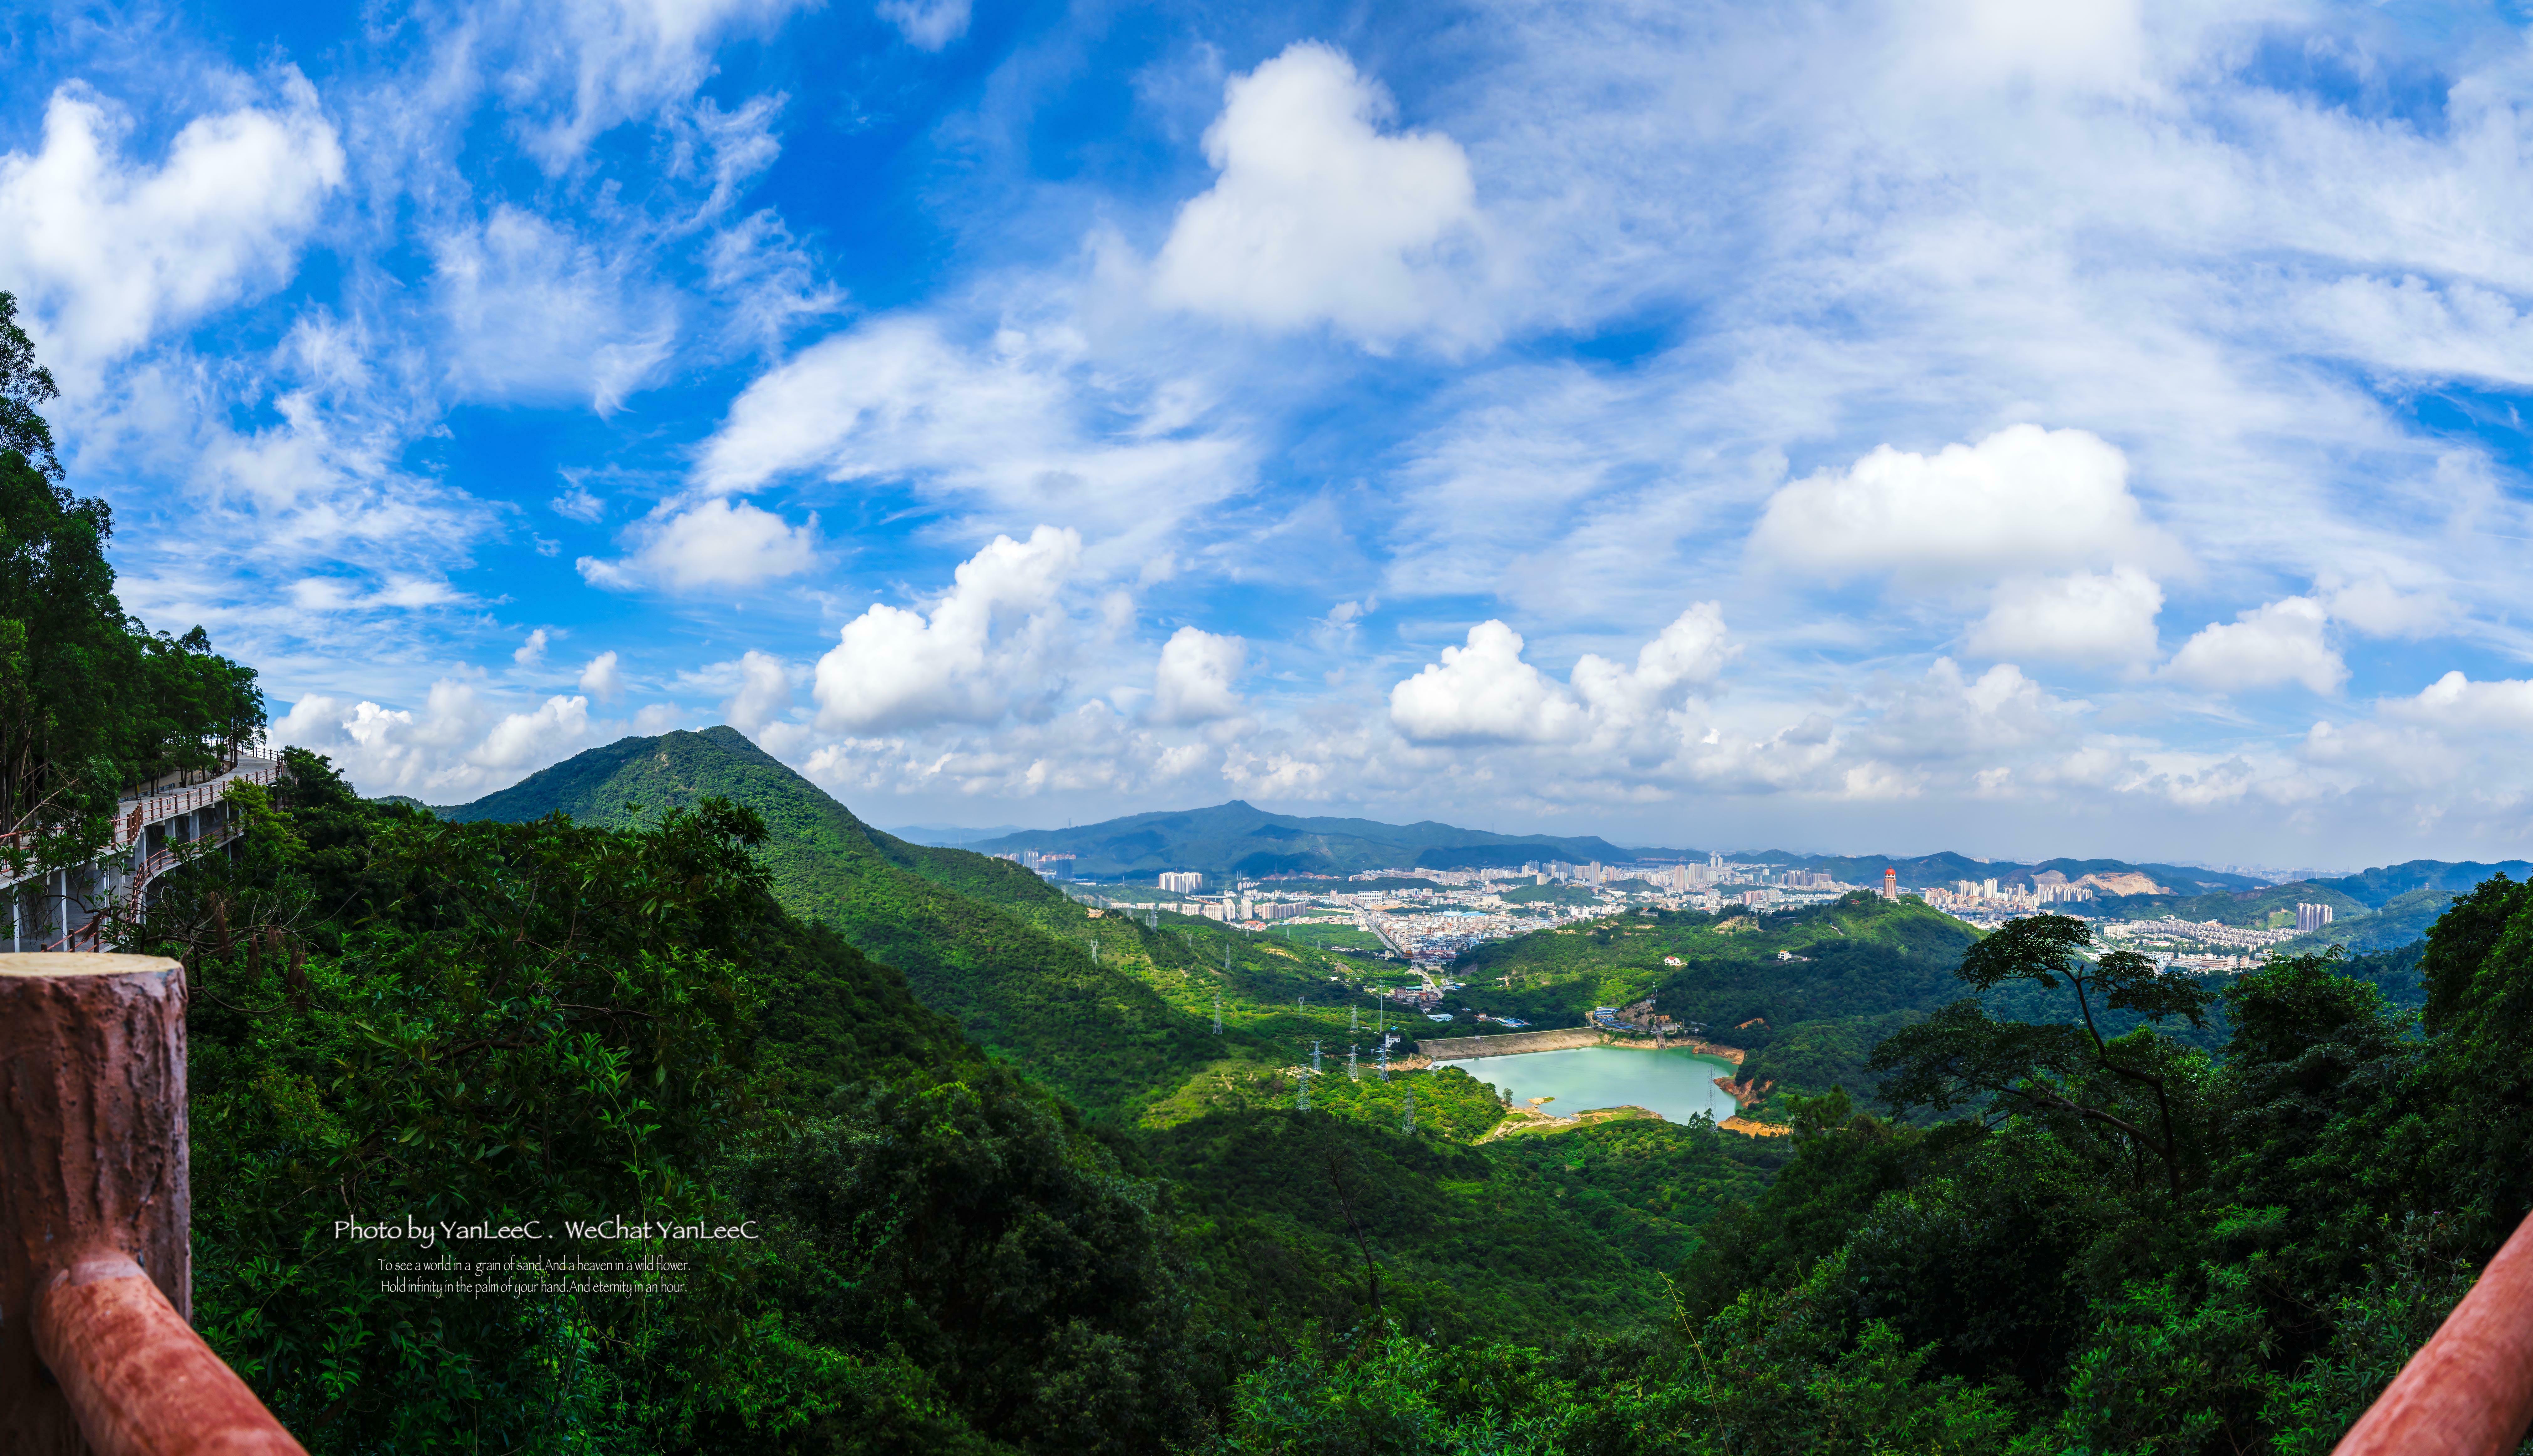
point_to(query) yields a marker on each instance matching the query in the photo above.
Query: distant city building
(2312, 917)
(1182, 882)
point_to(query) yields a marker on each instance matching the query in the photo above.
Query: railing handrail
(2468, 1391)
(95, 1222)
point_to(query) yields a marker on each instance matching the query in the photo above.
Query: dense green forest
(2217, 1223)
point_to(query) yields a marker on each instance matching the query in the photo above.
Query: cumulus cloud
(1484, 692)
(533, 313)
(532, 651)
(601, 679)
(1690, 652)
(1318, 216)
(2454, 703)
(989, 647)
(764, 693)
(1193, 681)
(714, 544)
(2021, 499)
(2277, 643)
(456, 747)
(2080, 618)
(926, 25)
(105, 252)
(2379, 608)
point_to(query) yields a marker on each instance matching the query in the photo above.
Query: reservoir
(1677, 1084)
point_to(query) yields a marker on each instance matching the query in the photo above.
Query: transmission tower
(1354, 1070)
(1218, 1014)
(1408, 1124)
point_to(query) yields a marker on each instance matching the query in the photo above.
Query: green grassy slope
(979, 939)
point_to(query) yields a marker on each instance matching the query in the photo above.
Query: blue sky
(2089, 429)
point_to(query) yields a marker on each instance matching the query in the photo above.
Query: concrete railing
(2469, 1389)
(96, 1285)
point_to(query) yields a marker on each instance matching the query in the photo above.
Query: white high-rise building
(1182, 882)
(2312, 917)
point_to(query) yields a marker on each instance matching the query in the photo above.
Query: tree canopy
(91, 701)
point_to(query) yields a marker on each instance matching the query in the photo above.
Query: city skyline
(1876, 426)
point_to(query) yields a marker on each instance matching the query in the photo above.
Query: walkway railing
(97, 1282)
(2469, 1389)
(163, 860)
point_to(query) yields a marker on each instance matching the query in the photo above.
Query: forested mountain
(2378, 887)
(1235, 839)
(980, 940)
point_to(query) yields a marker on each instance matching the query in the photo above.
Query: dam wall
(1462, 1048)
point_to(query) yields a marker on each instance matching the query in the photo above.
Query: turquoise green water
(1677, 1084)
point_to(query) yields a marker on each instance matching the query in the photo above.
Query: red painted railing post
(95, 1222)
(2468, 1391)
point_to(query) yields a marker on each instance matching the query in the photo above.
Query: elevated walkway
(65, 910)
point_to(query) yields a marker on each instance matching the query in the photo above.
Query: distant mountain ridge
(1240, 838)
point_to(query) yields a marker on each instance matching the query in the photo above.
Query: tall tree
(1961, 1054)
(23, 385)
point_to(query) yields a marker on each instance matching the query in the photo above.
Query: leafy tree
(25, 385)
(1961, 1054)
(90, 700)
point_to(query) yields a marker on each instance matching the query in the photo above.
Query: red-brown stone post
(95, 1210)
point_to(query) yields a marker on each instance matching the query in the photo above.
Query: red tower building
(1890, 883)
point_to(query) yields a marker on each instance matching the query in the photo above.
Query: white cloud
(1318, 216)
(2379, 608)
(532, 651)
(579, 505)
(714, 544)
(585, 66)
(1010, 428)
(1484, 693)
(1191, 684)
(456, 747)
(2024, 499)
(601, 679)
(2079, 618)
(1690, 652)
(987, 648)
(534, 314)
(533, 740)
(2272, 644)
(105, 253)
(764, 694)
(2455, 705)
(927, 24)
